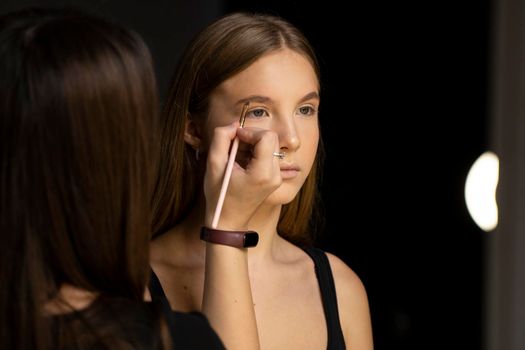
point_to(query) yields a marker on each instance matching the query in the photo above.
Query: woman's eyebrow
(310, 96)
(265, 99)
(255, 98)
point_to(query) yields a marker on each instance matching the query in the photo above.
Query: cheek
(309, 143)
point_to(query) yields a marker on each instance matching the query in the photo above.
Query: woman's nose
(288, 137)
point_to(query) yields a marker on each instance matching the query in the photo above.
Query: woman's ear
(192, 134)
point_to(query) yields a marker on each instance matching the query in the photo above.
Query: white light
(480, 191)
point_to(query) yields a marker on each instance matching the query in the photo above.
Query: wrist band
(238, 239)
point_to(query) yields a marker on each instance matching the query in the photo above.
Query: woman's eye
(257, 113)
(306, 110)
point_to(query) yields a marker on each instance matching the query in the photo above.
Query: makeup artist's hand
(250, 184)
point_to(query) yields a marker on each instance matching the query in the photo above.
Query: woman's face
(283, 92)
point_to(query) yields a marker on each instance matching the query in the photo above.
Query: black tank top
(326, 285)
(188, 330)
(325, 278)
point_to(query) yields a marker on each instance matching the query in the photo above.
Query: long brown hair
(78, 106)
(223, 49)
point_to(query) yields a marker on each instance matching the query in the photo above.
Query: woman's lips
(289, 171)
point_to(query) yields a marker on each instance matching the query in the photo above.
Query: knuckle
(269, 139)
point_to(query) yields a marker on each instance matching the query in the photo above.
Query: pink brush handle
(225, 182)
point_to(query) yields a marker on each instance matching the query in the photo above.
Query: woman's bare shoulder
(352, 300)
(346, 277)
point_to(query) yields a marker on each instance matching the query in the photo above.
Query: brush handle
(225, 182)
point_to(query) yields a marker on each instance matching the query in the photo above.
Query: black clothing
(119, 323)
(324, 275)
(179, 328)
(326, 284)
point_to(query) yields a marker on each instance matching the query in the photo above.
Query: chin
(283, 195)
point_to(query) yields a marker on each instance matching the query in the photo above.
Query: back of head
(223, 49)
(77, 118)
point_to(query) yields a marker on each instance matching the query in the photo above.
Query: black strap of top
(157, 295)
(326, 285)
(324, 275)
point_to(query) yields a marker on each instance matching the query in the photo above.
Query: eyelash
(250, 113)
(311, 110)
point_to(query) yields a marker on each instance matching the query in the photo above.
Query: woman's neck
(264, 222)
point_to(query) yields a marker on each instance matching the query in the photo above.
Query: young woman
(296, 289)
(78, 124)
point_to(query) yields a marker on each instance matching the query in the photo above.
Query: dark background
(404, 114)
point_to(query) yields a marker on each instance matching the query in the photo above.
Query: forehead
(279, 75)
